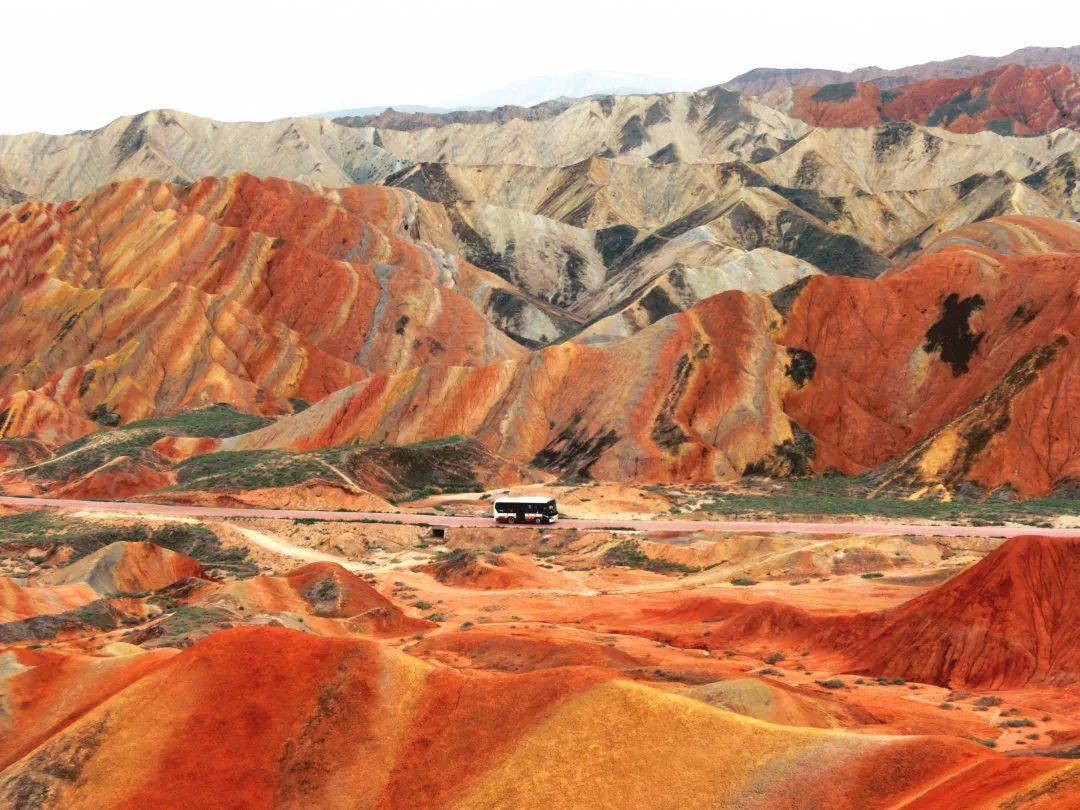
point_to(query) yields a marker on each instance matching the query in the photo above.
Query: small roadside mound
(321, 590)
(124, 567)
(1011, 620)
(121, 477)
(489, 571)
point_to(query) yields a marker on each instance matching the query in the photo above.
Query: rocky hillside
(146, 298)
(678, 287)
(1010, 100)
(973, 352)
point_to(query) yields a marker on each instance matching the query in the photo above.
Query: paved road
(776, 527)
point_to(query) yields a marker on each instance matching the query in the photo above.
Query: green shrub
(841, 496)
(628, 554)
(133, 440)
(744, 581)
(844, 91)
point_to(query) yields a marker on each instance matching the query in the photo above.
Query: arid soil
(366, 657)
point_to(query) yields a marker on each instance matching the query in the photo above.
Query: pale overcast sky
(79, 64)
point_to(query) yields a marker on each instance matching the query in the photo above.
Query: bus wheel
(510, 519)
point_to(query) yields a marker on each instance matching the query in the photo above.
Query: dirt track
(779, 527)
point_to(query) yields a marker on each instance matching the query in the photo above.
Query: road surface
(659, 525)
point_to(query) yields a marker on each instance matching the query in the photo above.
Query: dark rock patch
(791, 457)
(664, 156)
(613, 242)
(431, 181)
(835, 93)
(951, 336)
(632, 135)
(574, 451)
(809, 170)
(103, 416)
(131, 140)
(832, 252)
(666, 432)
(824, 208)
(891, 136)
(784, 298)
(657, 113)
(658, 304)
(801, 366)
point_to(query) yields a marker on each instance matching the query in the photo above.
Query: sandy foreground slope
(523, 667)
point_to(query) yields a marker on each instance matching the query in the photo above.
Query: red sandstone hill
(127, 568)
(761, 80)
(695, 397)
(318, 590)
(950, 370)
(495, 572)
(962, 366)
(146, 298)
(1011, 620)
(345, 723)
(1009, 100)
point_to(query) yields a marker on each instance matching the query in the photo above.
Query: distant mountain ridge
(576, 84)
(761, 80)
(179, 147)
(538, 91)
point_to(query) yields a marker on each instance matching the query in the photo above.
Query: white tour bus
(540, 509)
